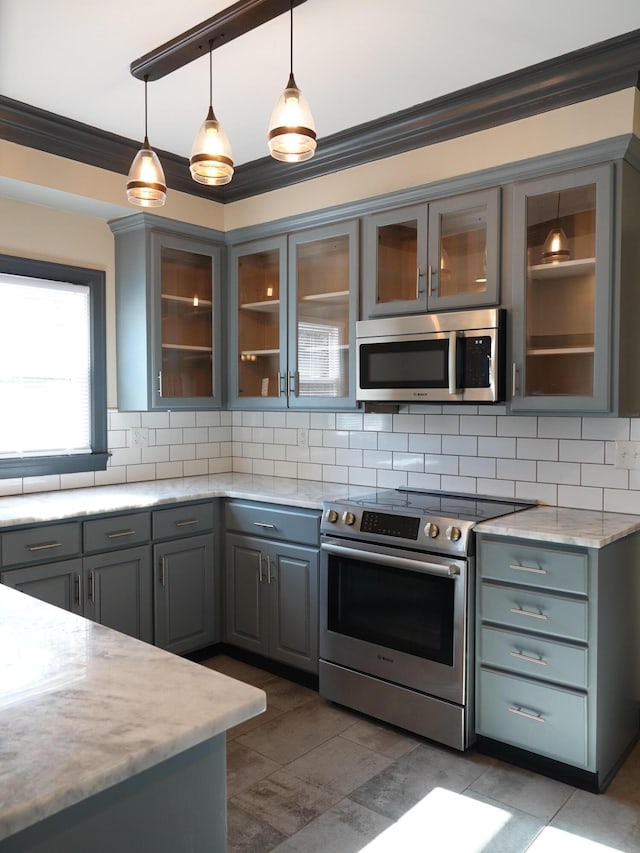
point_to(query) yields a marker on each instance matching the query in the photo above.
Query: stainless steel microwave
(457, 357)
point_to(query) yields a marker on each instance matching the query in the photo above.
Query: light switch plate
(627, 454)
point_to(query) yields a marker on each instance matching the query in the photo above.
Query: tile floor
(310, 776)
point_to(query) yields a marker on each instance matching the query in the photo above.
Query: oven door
(396, 615)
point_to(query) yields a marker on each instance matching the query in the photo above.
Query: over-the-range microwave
(456, 356)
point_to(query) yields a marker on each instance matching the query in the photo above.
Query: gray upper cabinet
(575, 299)
(294, 301)
(432, 257)
(168, 314)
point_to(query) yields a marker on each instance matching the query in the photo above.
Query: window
(52, 369)
(319, 349)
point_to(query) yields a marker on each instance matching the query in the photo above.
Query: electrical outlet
(139, 437)
(303, 438)
(627, 454)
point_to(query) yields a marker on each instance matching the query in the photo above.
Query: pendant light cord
(211, 72)
(146, 80)
(291, 38)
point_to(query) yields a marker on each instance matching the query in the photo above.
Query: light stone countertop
(45, 507)
(585, 527)
(83, 707)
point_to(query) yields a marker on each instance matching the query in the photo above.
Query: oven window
(407, 611)
(405, 364)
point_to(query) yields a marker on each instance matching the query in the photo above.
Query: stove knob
(348, 518)
(453, 533)
(332, 516)
(431, 530)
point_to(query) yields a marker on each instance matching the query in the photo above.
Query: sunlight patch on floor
(552, 840)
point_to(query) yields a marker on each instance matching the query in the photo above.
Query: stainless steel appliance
(458, 356)
(396, 607)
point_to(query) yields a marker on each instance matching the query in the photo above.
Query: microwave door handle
(453, 363)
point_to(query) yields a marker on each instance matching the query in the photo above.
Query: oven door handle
(427, 568)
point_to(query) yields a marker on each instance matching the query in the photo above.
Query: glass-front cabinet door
(562, 281)
(294, 300)
(323, 305)
(187, 322)
(440, 256)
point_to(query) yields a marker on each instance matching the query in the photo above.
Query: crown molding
(600, 69)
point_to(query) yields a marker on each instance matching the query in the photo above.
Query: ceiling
(355, 60)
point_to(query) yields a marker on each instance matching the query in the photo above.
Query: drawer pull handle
(538, 718)
(76, 585)
(44, 546)
(535, 569)
(522, 612)
(528, 658)
(117, 534)
(91, 584)
(187, 522)
(163, 578)
(264, 524)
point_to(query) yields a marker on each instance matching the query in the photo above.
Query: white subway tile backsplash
(375, 422)
(263, 435)
(610, 429)
(168, 436)
(323, 455)
(391, 479)
(123, 420)
(316, 437)
(207, 419)
(166, 470)
(408, 423)
(180, 452)
(335, 474)
(434, 464)
(209, 450)
(542, 492)
(559, 427)
(621, 500)
(221, 466)
(275, 419)
(496, 488)
(80, 480)
(567, 473)
(275, 451)
(580, 496)
(252, 450)
(13, 486)
(139, 473)
(118, 438)
(477, 466)
(517, 427)
(182, 419)
(349, 457)
(500, 447)
(309, 471)
(362, 440)
(242, 433)
(322, 420)
(284, 436)
(125, 456)
(288, 469)
(158, 453)
(393, 441)
(581, 451)
(154, 420)
(604, 476)
(468, 485)
(377, 459)
(349, 420)
(221, 433)
(194, 467)
(242, 465)
(111, 476)
(252, 419)
(263, 466)
(193, 435)
(336, 438)
(459, 445)
(298, 420)
(516, 469)
(408, 461)
(423, 481)
(423, 443)
(298, 454)
(362, 477)
(442, 424)
(480, 425)
(537, 448)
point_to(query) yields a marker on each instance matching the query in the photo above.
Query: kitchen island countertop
(84, 708)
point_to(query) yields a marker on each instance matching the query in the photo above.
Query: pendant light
(556, 246)
(292, 132)
(146, 186)
(211, 159)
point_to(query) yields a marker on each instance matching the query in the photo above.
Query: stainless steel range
(397, 579)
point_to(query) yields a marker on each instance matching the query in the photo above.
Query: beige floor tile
(285, 802)
(287, 695)
(245, 767)
(296, 732)
(381, 738)
(254, 722)
(238, 669)
(339, 765)
(537, 795)
(248, 834)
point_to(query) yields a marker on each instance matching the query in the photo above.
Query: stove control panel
(399, 526)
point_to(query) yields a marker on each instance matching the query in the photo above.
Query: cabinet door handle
(260, 569)
(535, 569)
(528, 658)
(264, 524)
(91, 586)
(281, 389)
(538, 718)
(419, 275)
(514, 380)
(43, 546)
(522, 612)
(118, 534)
(430, 280)
(162, 571)
(159, 383)
(268, 569)
(452, 367)
(76, 585)
(187, 522)
(292, 384)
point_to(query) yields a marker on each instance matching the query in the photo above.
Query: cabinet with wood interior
(293, 304)
(575, 266)
(168, 314)
(555, 653)
(435, 256)
(271, 582)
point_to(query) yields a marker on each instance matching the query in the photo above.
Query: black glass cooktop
(449, 504)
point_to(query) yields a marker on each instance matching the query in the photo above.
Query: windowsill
(39, 466)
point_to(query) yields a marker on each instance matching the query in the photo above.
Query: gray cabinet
(555, 655)
(575, 267)
(184, 583)
(271, 583)
(293, 304)
(168, 314)
(112, 587)
(432, 257)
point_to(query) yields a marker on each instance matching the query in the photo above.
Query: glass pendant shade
(292, 132)
(556, 247)
(146, 185)
(211, 159)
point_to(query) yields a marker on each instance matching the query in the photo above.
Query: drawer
(543, 719)
(534, 656)
(531, 610)
(122, 531)
(181, 521)
(565, 571)
(287, 524)
(41, 544)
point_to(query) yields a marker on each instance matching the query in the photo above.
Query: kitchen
(566, 460)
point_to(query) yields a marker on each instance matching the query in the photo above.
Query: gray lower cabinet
(184, 583)
(555, 655)
(271, 582)
(55, 583)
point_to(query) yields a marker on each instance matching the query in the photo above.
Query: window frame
(35, 466)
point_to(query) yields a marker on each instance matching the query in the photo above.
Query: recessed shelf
(269, 306)
(187, 299)
(561, 351)
(564, 269)
(187, 348)
(260, 352)
(338, 296)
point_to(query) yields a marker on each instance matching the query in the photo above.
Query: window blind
(319, 348)
(45, 367)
